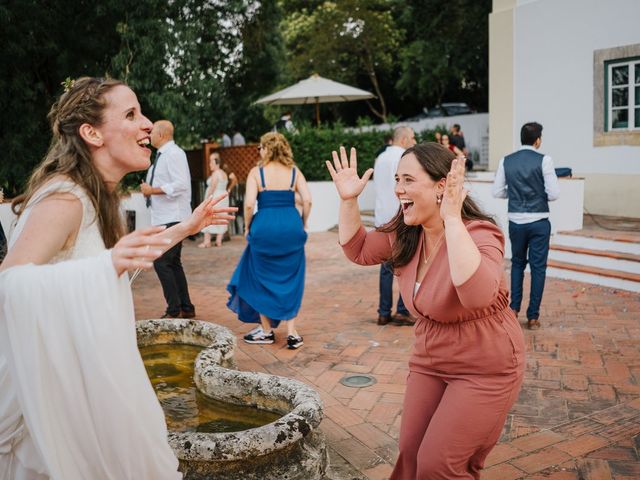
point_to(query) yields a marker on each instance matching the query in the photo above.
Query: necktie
(153, 172)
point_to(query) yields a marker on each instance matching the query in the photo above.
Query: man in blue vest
(527, 178)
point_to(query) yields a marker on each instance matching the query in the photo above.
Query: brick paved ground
(576, 416)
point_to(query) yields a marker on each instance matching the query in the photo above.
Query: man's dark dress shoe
(402, 320)
(191, 314)
(384, 319)
(533, 324)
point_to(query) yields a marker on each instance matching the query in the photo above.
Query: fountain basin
(291, 447)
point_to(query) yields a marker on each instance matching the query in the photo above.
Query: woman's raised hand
(344, 173)
(454, 191)
(206, 214)
(139, 249)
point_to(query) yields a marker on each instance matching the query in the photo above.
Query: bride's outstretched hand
(207, 214)
(454, 191)
(139, 249)
(344, 173)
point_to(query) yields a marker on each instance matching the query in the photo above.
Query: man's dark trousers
(173, 280)
(531, 238)
(386, 292)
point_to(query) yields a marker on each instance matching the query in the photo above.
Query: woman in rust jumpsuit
(467, 363)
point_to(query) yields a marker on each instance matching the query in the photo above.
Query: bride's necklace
(433, 250)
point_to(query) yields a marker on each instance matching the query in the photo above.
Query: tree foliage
(203, 63)
(41, 47)
(344, 41)
(446, 54)
(197, 63)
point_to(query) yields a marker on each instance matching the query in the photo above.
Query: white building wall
(553, 77)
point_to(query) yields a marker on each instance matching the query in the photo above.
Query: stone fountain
(291, 447)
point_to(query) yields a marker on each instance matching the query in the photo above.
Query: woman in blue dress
(268, 283)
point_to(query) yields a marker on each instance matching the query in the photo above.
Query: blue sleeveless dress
(269, 279)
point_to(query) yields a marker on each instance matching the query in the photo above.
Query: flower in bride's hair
(68, 84)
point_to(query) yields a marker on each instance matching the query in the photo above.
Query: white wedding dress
(75, 399)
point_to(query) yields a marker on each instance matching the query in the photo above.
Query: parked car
(443, 110)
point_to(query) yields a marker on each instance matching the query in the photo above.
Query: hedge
(312, 146)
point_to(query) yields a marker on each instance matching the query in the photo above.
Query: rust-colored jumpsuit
(467, 363)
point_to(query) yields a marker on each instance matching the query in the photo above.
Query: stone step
(596, 275)
(621, 245)
(606, 259)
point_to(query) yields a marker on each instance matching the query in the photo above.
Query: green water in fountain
(170, 368)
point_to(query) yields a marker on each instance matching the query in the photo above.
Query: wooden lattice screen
(240, 159)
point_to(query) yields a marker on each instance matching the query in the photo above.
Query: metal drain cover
(357, 381)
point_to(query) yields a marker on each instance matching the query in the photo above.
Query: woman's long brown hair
(69, 156)
(436, 162)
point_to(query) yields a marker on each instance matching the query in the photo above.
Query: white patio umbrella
(316, 89)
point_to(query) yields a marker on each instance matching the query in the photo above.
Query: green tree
(260, 69)
(346, 41)
(42, 44)
(446, 54)
(202, 64)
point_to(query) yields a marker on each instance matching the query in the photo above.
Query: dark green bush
(312, 146)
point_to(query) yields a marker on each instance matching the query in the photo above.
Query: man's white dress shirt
(384, 179)
(173, 177)
(551, 188)
(238, 140)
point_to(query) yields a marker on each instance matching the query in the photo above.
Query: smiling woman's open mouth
(406, 204)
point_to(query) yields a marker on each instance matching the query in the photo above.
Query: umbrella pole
(317, 112)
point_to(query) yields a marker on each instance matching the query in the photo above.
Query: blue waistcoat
(525, 182)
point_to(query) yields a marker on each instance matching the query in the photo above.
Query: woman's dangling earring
(438, 199)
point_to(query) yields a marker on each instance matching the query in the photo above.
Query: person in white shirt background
(225, 139)
(168, 193)
(238, 139)
(387, 205)
(527, 178)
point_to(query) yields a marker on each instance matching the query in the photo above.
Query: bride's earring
(438, 199)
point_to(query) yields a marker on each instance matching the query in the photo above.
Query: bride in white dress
(75, 400)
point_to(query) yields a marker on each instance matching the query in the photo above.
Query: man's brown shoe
(384, 319)
(191, 314)
(402, 320)
(533, 324)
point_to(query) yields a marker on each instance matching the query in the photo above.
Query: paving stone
(582, 445)
(503, 471)
(379, 472)
(537, 441)
(342, 416)
(555, 475)
(615, 414)
(614, 453)
(358, 455)
(369, 435)
(333, 431)
(364, 399)
(502, 453)
(593, 469)
(540, 460)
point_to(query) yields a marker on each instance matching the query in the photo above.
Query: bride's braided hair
(68, 156)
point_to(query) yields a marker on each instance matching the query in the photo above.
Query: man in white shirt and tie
(168, 193)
